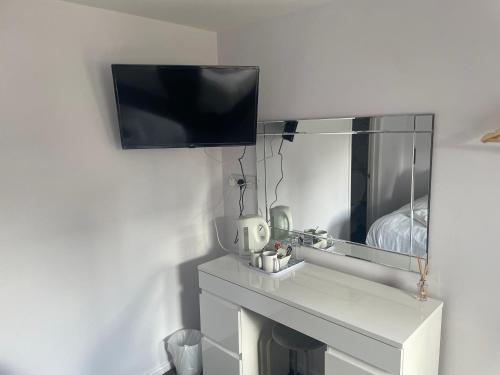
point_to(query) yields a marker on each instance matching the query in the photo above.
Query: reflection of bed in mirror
(392, 231)
(352, 180)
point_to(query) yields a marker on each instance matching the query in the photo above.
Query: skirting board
(161, 369)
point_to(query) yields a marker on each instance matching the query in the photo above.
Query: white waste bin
(185, 348)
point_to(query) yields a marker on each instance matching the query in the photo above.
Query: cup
(309, 236)
(256, 259)
(320, 235)
(270, 261)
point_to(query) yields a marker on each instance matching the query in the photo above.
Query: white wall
(98, 246)
(391, 56)
(230, 165)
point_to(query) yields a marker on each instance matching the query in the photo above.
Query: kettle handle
(264, 239)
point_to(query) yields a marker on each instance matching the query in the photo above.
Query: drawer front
(374, 352)
(218, 361)
(337, 363)
(220, 321)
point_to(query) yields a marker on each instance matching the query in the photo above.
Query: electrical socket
(251, 181)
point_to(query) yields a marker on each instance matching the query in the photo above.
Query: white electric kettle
(253, 234)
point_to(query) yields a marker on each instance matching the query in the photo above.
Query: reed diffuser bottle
(423, 269)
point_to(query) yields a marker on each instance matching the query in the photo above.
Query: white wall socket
(251, 180)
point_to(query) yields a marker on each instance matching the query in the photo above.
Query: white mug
(309, 236)
(270, 261)
(321, 233)
(256, 259)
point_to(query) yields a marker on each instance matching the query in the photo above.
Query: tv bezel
(186, 145)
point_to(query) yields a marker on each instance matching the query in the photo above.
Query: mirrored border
(343, 247)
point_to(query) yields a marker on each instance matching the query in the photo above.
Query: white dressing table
(369, 328)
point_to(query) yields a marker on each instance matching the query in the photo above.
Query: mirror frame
(344, 247)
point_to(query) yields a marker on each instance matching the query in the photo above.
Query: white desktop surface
(381, 312)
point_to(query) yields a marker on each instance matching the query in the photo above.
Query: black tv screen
(186, 106)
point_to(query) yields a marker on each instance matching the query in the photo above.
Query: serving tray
(292, 265)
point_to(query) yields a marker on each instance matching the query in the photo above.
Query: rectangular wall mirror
(356, 186)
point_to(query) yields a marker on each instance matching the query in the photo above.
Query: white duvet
(392, 232)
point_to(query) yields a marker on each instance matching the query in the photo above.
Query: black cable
(281, 179)
(236, 238)
(265, 177)
(243, 188)
(242, 191)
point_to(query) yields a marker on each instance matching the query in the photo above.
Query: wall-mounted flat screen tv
(186, 106)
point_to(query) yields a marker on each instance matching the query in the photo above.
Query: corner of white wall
(99, 246)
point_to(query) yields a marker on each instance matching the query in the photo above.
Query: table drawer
(218, 361)
(374, 352)
(338, 363)
(220, 321)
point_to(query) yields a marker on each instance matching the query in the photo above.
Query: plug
(237, 180)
